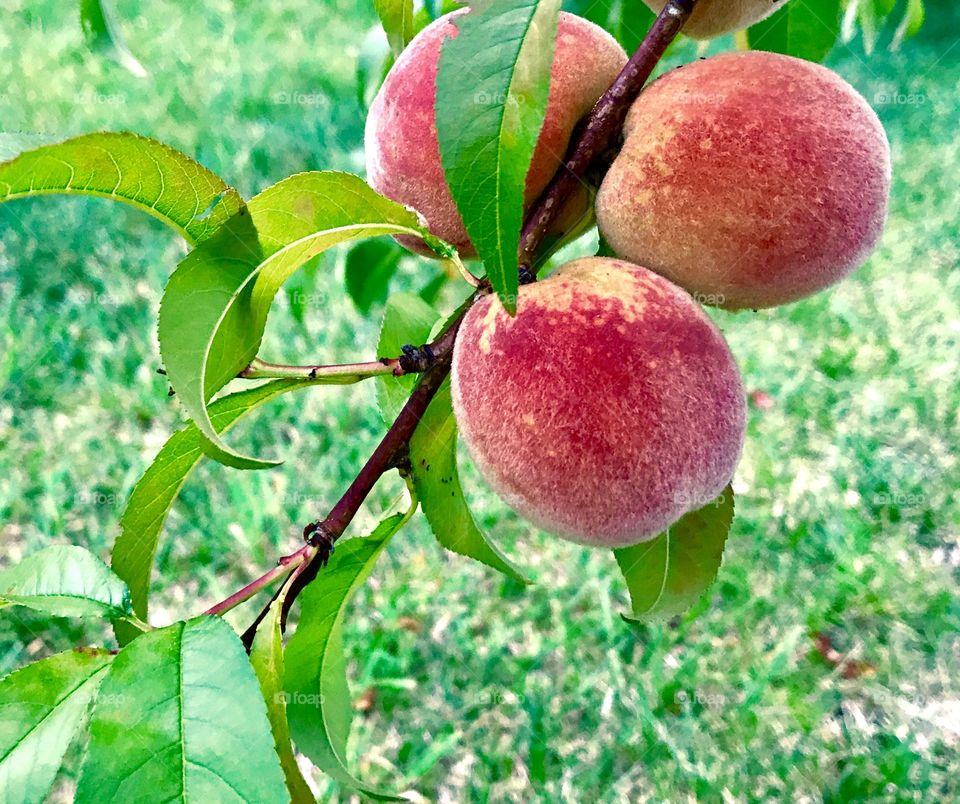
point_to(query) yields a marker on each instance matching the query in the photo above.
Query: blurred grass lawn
(847, 519)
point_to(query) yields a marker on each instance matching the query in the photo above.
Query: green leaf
(42, 708)
(180, 717)
(911, 23)
(489, 119)
(319, 704)
(126, 167)
(369, 268)
(670, 573)
(215, 307)
(152, 497)
(627, 20)
(807, 29)
(266, 656)
(433, 453)
(407, 319)
(103, 35)
(66, 581)
(396, 17)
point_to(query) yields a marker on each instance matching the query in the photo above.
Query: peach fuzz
(402, 151)
(750, 179)
(606, 409)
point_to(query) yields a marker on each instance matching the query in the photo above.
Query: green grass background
(847, 521)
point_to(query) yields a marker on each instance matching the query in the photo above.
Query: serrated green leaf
(407, 319)
(66, 581)
(215, 307)
(42, 708)
(667, 575)
(180, 717)
(370, 265)
(152, 497)
(489, 119)
(266, 656)
(129, 168)
(807, 29)
(319, 704)
(396, 17)
(433, 454)
(103, 35)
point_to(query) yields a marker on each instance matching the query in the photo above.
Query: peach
(712, 18)
(750, 179)
(403, 154)
(606, 409)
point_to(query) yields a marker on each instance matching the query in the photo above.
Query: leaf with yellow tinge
(126, 167)
(318, 705)
(42, 708)
(668, 574)
(214, 310)
(180, 717)
(433, 456)
(396, 17)
(152, 497)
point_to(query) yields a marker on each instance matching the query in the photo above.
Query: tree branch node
(318, 535)
(417, 359)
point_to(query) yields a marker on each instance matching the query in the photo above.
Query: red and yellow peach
(606, 409)
(751, 179)
(402, 150)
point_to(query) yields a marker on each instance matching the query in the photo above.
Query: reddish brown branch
(597, 135)
(602, 127)
(390, 453)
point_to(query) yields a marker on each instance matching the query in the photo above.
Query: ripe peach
(606, 409)
(712, 18)
(750, 179)
(403, 154)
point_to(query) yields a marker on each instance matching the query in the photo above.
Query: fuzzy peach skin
(608, 408)
(403, 154)
(750, 179)
(712, 18)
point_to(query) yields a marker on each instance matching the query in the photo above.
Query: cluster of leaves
(163, 712)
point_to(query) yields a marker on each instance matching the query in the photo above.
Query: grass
(847, 521)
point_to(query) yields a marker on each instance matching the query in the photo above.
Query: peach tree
(597, 398)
